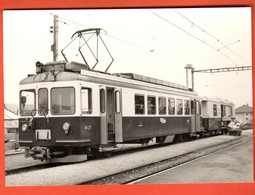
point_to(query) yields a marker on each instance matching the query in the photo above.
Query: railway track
(131, 176)
(122, 150)
(126, 169)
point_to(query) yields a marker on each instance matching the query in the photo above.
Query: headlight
(66, 127)
(24, 127)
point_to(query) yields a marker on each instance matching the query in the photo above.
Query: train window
(62, 100)
(86, 101)
(214, 110)
(162, 105)
(186, 107)
(117, 102)
(198, 108)
(179, 107)
(139, 104)
(224, 110)
(27, 102)
(151, 105)
(192, 106)
(102, 100)
(43, 101)
(171, 106)
(231, 111)
(228, 111)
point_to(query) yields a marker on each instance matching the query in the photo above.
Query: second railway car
(216, 115)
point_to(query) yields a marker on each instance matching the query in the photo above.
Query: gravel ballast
(75, 174)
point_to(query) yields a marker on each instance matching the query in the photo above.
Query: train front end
(50, 126)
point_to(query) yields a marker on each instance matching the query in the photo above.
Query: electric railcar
(216, 115)
(69, 112)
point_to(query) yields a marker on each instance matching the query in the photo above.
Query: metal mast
(54, 30)
(213, 70)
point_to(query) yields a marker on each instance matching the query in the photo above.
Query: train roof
(66, 71)
(150, 80)
(218, 100)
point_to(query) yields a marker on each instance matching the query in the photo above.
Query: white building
(11, 127)
(244, 114)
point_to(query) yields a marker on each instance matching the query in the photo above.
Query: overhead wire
(67, 20)
(113, 37)
(64, 20)
(127, 42)
(209, 45)
(224, 45)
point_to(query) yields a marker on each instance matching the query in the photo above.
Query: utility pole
(54, 30)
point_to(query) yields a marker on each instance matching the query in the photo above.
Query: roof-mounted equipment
(84, 37)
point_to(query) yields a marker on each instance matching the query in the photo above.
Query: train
(70, 112)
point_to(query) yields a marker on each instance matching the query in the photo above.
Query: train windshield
(27, 102)
(63, 101)
(43, 101)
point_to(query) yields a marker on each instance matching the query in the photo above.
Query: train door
(103, 116)
(110, 115)
(195, 116)
(118, 115)
(222, 110)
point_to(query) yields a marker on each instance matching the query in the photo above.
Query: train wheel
(179, 138)
(94, 153)
(161, 140)
(108, 154)
(187, 138)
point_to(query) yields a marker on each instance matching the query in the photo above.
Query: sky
(153, 42)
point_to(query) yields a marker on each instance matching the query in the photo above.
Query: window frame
(102, 100)
(66, 87)
(20, 96)
(165, 106)
(135, 104)
(169, 106)
(177, 105)
(47, 110)
(117, 101)
(151, 96)
(90, 101)
(215, 109)
(187, 107)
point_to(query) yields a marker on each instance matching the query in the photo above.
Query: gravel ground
(75, 174)
(130, 176)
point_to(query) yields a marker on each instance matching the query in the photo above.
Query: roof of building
(244, 109)
(10, 119)
(12, 108)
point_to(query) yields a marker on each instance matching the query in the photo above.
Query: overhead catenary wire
(229, 44)
(209, 45)
(65, 20)
(82, 25)
(113, 37)
(224, 45)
